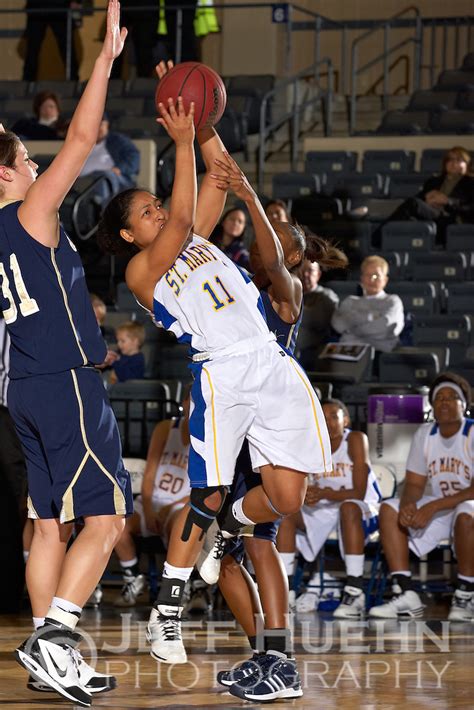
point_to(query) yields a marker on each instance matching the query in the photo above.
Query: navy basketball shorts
(246, 479)
(72, 447)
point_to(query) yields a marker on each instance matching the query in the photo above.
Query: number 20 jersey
(448, 462)
(45, 303)
(171, 480)
(207, 301)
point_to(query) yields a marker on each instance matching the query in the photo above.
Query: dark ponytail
(317, 249)
(115, 218)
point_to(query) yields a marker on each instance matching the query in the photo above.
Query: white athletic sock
(288, 559)
(182, 573)
(38, 621)
(354, 565)
(26, 554)
(403, 572)
(465, 578)
(239, 514)
(128, 563)
(65, 612)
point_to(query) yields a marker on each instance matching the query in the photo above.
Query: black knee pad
(199, 514)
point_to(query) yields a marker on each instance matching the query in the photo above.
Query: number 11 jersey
(208, 301)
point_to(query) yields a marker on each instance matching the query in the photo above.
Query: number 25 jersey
(207, 301)
(447, 462)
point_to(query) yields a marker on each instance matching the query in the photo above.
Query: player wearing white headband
(441, 457)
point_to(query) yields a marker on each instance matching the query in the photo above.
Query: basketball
(194, 82)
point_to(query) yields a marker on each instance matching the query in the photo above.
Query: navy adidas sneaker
(235, 675)
(276, 678)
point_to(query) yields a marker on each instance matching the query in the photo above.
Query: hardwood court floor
(417, 665)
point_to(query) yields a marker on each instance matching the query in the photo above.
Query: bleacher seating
(408, 236)
(460, 298)
(432, 101)
(438, 266)
(328, 162)
(405, 186)
(289, 185)
(388, 161)
(404, 123)
(417, 297)
(409, 365)
(451, 330)
(460, 237)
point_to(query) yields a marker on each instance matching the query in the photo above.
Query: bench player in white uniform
(345, 499)
(165, 490)
(241, 375)
(441, 455)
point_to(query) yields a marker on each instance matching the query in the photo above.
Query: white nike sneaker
(209, 561)
(49, 656)
(308, 601)
(164, 634)
(462, 606)
(132, 588)
(406, 604)
(352, 605)
(92, 681)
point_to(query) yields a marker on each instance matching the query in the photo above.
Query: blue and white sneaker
(243, 670)
(276, 678)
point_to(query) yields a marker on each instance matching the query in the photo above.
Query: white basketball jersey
(449, 467)
(341, 475)
(207, 301)
(171, 480)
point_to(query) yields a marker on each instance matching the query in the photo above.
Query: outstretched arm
(147, 267)
(38, 213)
(286, 289)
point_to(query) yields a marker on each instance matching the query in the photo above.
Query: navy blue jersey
(286, 333)
(45, 303)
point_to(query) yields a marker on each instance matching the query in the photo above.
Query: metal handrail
(292, 117)
(384, 56)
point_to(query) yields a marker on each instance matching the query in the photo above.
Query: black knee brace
(199, 514)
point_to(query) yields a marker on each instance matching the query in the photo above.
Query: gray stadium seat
(453, 122)
(344, 288)
(120, 106)
(141, 87)
(410, 365)
(356, 186)
(313, 210)
(343, 371)
(290, 185)
(432, 101)
(460, 237)
(138, 405)
(354, 238)
(460, 298)
(431, 160)
(13, 89)
(408, 236)
(405, 186)
(330, 161)
(138, 126)
(454, 331)
(454, 80)
(388, 161)
(416, 297)
(437, 266)
(401, 123)
(64, 89)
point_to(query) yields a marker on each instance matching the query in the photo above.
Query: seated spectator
(229, 236)
(277, 211)
(346, 500)
(114, 155)
(100, 310)
(165, 491)
(319, 306)
(441, 458)
(447, 198)
(376, 318)
(130, 364)
(46, 123)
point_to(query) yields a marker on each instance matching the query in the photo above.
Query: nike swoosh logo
(60, 671)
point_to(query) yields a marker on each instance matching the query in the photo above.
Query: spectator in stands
(229, 236)
(130, 365)
(46, 124)
(277, 211)
(437, 503)
(114, 155)
(165, 491)
(36, 25)
(376, 318)
(446, 198)
(100, 310)
(142, 28)
(319, 306)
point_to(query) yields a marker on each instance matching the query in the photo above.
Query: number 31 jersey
(45, 303)
(448, 462)
(207, 301)
(171, 480)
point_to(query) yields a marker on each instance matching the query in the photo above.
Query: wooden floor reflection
(421, 665)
